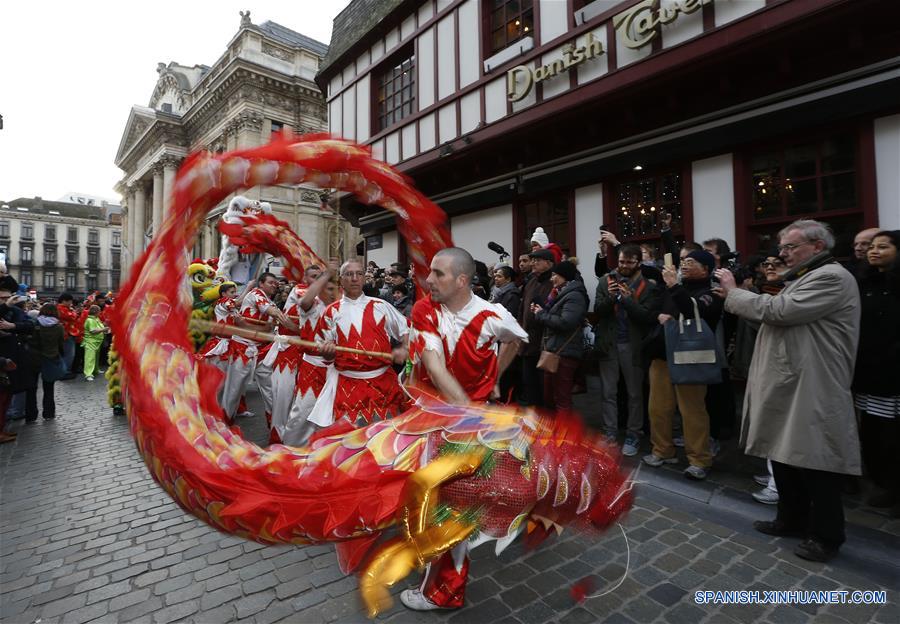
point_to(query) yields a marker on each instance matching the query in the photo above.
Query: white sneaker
(89, 378)
(413, 599)
(695, 473)
(246, 414)
(766, 496)
(630, 448)
(763, 480)
(656, 461)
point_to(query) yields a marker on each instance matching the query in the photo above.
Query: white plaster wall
(729, 10)
(887, 171)
(363, 109)
(446, 57)
(683, 28)
(349, 113)
(334, 116)
(470, 111)
(554, 19)
(443, 4)
(388, 253)
(391, 40)
(713, 198)
(588, 219)
(408, 27)
(425, 65)
(468, 43)
(409, 140)
(425, 12)
(377, 50)
(495, 100)
(475, 230)
(392, 148)
(447, 123)
(426, 132)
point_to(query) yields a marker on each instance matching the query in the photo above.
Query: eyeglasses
(769, 264)
(790, 247)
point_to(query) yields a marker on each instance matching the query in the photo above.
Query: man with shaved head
(460, 345)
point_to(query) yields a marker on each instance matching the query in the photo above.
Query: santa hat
(540, 237)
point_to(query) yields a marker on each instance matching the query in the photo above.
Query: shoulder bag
(692, 351)
(549, 360)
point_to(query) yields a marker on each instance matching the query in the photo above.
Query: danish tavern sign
(635, 28)
(572, 57)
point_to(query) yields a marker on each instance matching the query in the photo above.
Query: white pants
(264, 380)
(283, 385)
(237, 378)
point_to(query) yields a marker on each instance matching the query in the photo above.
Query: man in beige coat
(798, 409)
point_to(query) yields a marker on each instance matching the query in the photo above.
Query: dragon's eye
(199, 278)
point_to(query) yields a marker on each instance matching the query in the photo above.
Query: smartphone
(667, 260)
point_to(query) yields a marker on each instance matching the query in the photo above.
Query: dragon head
(203, 280)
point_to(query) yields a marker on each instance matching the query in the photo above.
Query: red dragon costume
(440, 474)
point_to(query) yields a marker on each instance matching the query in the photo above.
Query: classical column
(125, 258)
(170, 166)
(140, 220)
(158, 195)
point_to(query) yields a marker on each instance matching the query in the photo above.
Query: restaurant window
(395, 96)
(71, 281)
(815, 179)
(510, 21)
(638, 203)
(551, 213)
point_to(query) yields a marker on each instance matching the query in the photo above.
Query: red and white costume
(282, 363)
(244, 355)
(218, 349)
(310, 380)
(360, 387)
(468, 342)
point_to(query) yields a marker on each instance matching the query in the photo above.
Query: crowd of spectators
(45, 341)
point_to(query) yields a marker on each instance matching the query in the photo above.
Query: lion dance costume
(440, 474)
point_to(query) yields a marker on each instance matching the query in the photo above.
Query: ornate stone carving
(245, 19)
(311, 197)
(275, 51)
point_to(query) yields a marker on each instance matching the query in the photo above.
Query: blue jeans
(69, 352)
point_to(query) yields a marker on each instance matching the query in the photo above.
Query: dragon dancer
(461, 345)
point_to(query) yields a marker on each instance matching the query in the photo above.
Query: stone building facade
(62, 246)
(261, 85)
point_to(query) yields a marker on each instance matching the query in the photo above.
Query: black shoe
(49, 416)
(814, 550)
(118, 410)
(30, 419)
(777, 529)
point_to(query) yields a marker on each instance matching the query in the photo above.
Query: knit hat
(542, 254)
(565, 269)
(705, 258)
(540, 237)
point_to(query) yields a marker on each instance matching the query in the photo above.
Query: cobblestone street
(88, 537)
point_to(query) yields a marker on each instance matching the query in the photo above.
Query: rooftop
(353, 23)
(292, 37)
(24, 206)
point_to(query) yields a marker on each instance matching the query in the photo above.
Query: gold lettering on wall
(520, 80)
(636, 27)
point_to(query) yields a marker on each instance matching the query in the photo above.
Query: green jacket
(642, 310)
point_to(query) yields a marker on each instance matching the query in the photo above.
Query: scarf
(817, 261)
(499, 291)
(47, 321)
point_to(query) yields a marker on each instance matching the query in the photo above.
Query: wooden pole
(219, 329)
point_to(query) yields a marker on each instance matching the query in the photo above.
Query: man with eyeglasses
(360, 388)
(798, 410)
(627, 306)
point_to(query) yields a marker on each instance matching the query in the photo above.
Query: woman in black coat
(47, 348)
(875, 387)
(563, 321)
(15, 327)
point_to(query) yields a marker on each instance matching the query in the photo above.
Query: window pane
(800, 161)
(802, 197)
(838, 154)
(839, 191)
(766, 193)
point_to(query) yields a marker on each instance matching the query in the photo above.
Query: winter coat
(47, 341)
(642, 311)
(878, 356)
(536, 291)
(14, 346)
(508, 296)
(563, 318)
(798, 409)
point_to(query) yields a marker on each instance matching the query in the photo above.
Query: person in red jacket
(65, 305)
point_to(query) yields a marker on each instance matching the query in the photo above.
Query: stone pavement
(86, 536)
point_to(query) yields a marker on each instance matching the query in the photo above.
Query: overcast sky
(71, 71)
